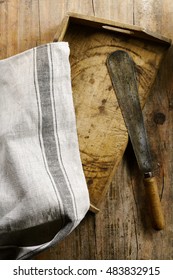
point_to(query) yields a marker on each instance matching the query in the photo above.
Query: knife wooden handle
(154, 201)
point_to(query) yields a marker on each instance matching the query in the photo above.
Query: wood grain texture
(80, 6)
(121, 11)
(121, 230)
(152, 11)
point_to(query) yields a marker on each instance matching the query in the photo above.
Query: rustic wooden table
(121, 230)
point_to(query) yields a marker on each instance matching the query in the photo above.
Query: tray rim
(132, 30)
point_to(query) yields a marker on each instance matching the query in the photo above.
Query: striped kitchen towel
(43, 192)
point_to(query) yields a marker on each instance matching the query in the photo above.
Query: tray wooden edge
(132, 30)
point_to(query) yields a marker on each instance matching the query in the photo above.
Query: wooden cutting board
(101, 130)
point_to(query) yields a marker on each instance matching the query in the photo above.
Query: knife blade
(121, 69)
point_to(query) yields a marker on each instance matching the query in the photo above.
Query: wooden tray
(101, 130)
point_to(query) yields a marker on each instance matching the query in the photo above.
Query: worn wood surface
(121, 230)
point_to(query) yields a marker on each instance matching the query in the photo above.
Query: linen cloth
(43, 192)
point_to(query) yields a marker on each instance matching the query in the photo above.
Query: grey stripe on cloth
(49, 131)
(44, 195)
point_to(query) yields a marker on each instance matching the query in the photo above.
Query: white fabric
(43, 192)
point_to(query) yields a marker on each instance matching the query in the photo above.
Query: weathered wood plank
(3, 28)
(148, 14)
(121, 11)
(28, 25)
(50, 15)
(166, 21)
(9, 28)
(84, 7)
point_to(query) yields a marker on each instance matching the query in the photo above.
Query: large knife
(121, 68)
